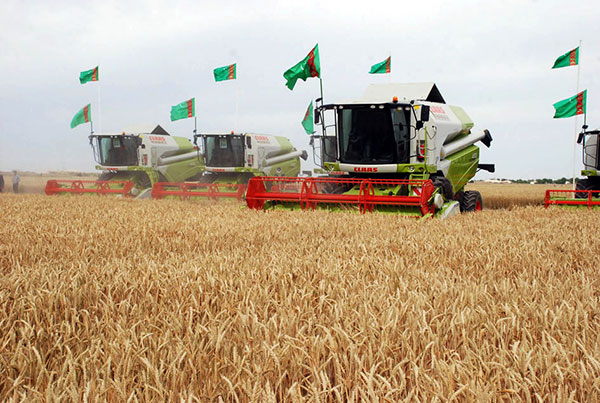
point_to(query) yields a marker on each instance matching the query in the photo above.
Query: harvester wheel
(106, 176)
(444, 185)
(470, 201)
(583, 184)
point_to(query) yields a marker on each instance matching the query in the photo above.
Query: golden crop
(511, 195)
(114, 299)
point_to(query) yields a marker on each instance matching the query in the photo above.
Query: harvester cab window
(369, 135)
(117, 150)
(225, 151)
(400, 121)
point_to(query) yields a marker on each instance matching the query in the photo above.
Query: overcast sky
(491, 58)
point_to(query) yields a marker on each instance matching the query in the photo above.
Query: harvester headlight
(438, 200)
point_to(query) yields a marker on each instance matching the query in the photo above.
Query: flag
(571, 106)
(89, 75)
(310, 66)
(308, 121)
(383, 67)
(83, 116)
(571, 58)
(184, 110)
(225, 73)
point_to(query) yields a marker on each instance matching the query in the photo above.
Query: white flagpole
(390, 75)
(237, 104)
(576, 121)
(99, 108)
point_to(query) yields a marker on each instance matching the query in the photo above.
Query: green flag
(308, 121)
(184, 110)
(310, 66)
(571, 58)
(89, 75)
(383, 67)
(83, 116)
(225, 73)
(571, 106)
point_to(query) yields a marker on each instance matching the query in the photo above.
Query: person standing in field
(16, 180)
(1, 183)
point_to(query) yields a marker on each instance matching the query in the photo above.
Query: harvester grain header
(400, 148)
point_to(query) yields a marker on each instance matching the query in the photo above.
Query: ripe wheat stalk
(111, 299)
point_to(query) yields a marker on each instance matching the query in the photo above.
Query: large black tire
(583, 184)
(141, 179)
(106, 176)
(444, 185)
(470, 201)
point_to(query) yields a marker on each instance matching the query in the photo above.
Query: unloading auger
(400, 148)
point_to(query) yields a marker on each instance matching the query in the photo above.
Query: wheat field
(106, 299)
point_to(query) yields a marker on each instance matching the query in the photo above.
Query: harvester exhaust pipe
(176, 158)
(285, 157)
(454, 146)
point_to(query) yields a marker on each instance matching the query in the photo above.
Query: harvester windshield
(116, 150)
(224, 150)
(374, 134)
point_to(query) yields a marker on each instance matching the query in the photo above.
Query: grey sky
(492, 58)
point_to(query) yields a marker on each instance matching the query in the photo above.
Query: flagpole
(321, 86)
(99, 109)
(237, 105)
(390, 75)
(576, 119)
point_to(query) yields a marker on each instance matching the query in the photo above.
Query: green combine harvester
(135, 160)
(231, 159)
(400, 148)
(587, 191)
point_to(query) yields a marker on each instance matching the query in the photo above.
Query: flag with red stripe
(575, 105)
(225, 73)
(83, 116)
(308, 67)
(89, 75)
(571, 58)
(382, 67)
(183, 110)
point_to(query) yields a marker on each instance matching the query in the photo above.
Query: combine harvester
(587, 191)
(231, 160)
(133, 161)
(400, 148)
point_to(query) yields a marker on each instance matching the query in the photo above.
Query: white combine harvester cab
(591, 160)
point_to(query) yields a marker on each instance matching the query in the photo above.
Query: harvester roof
(382, 93)
(146, 129)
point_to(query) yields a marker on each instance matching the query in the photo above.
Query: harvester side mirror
(248, 142)
(317, 116)
(424, 113)
(580, 138)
